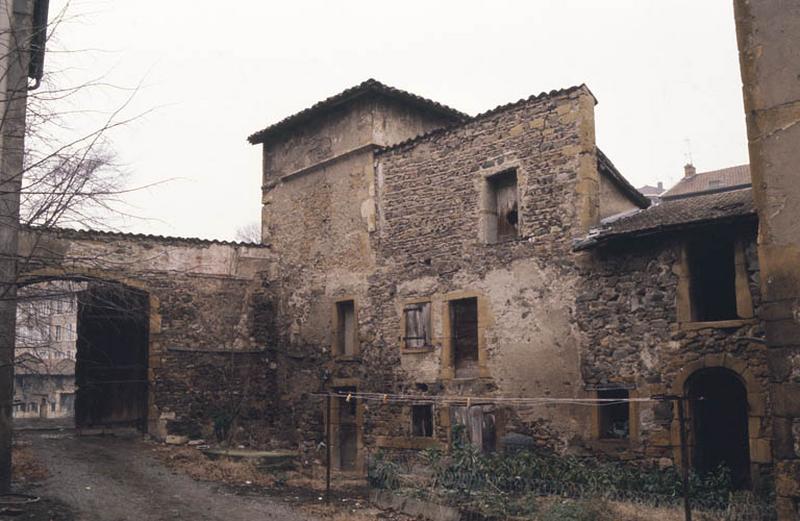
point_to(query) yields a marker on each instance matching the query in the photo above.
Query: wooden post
(687, 509)
(328, 452)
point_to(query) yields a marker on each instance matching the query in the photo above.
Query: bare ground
(113, 479)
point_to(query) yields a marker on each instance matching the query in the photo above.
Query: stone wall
(430, 247)
(628, 308)
(205, 345)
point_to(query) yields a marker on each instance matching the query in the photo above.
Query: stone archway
(718, 409)
(759, 449)
(107, 413)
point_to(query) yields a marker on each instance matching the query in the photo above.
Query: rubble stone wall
(431, 248)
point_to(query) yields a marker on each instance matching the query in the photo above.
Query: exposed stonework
(201, 297)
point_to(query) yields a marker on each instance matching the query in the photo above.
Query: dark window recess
(503, 198)
(712, 273)
(418, 325)
(345, 328)
(614, 417)
(464, 326)
(422, 420)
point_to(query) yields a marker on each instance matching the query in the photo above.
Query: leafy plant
(383, 473)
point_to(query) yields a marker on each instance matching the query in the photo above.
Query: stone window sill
(347, 358)
(718, 324)
(416, 350)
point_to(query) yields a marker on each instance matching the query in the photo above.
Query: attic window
(501, 207)
(712, 279)
(614, 417)
(422, 420)
(417, 325)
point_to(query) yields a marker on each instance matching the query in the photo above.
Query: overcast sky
(665, 74)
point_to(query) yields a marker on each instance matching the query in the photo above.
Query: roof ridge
(107, 233)
(370, 84)
(499, 108)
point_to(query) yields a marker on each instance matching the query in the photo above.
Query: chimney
(660, 187)
(689, 170)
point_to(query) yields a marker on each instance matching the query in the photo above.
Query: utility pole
(21, 55)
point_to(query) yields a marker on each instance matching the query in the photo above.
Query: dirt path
(113, 479)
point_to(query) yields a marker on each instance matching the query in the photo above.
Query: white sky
(664, 72)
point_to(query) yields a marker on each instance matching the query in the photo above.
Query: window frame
(337, 347)
(684, 301)
(429, 344)
(430, 408)
(487, 219)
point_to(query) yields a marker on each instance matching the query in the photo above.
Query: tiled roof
(713, 181)
(500, 108)
(674, 214)
(368, 87)
(69, 233)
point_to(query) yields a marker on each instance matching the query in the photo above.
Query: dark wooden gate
(111, 362)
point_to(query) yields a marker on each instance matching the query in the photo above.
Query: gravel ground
(113, 479)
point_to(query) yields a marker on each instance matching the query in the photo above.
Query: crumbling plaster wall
(430, 246)
(628, 310)
(319, 215)
(202, 326)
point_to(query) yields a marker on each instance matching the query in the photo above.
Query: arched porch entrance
(719, 430)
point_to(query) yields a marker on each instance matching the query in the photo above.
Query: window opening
(422, 420)
(503, 207)
(614, 417)
(418, 325)
(345, 328)
(464, 325)
(712, 276)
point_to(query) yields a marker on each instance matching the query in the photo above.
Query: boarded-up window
(422, 420)
(345, 328)
(614, 416)
(418, 325)
(502, 207)
(464, 331)
(479, 424)
(712, 272)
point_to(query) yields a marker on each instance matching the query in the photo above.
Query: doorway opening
(111, 362)
(718, 408)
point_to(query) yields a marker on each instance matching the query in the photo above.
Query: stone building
(504, 256)
(459, 261)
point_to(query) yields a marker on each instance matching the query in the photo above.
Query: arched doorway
(718, 407)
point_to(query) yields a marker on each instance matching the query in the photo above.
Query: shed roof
(674, 214)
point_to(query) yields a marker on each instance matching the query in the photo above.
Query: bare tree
(250, 232)
(49, 176)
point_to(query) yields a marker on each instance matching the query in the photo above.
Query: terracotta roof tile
(674, 214)
(712, 181)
